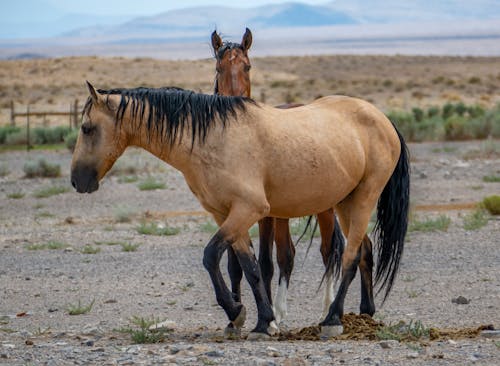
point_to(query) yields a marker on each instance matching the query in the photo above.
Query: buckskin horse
(245, 161)
(233, 78)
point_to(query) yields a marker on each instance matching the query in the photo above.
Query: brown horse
(245, 161)
(233, 78)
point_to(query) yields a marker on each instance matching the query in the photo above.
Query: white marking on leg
(280, 310)
(329, 295)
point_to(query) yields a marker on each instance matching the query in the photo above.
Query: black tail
(392, 221)
(334, 264)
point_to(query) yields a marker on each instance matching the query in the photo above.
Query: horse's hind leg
(326, 222)
(354, 213)
(367, 305)
(285, 252)
(266, 237)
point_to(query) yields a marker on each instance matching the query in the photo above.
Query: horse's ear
(246, 42)
(216, 41)
(93, 93)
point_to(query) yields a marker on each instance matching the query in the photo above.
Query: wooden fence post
(12, 114)
(75, 113)
(28, 127)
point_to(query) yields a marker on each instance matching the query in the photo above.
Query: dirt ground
(391, 82)
(164, 278)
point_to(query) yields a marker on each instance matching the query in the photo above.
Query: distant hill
(340, 26)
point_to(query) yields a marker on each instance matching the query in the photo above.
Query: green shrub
(70, 139)
(155, 229)
(18, 137)
(475, 220)
(455, 128)
(439, 223)
(492, 204)
(41, 168)
(7, 130)
(50, 191)
(418, 113)
(150, 184)
(4, 169)
(433, 111)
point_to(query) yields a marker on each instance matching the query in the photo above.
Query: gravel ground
(164, 277)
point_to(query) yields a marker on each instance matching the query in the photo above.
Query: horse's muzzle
(84, 179)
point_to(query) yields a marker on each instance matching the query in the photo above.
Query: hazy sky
(147, 7)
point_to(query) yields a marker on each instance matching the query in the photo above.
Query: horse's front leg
(235, 311)
(233, 233)
(266, 238)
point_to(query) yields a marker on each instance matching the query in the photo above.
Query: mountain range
(348, 18)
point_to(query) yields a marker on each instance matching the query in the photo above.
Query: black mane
(171, 110)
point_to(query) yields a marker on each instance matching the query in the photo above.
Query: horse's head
(233, 65)
(100, 141)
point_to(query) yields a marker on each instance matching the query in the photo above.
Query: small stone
(460, 300)
(110, 301)
(89, 343)
(214, 353)
(412, 355)
(272, 352)
(4, 355)
(490, 333)
(166, 324)
(53, 310)
(388, 343)
(422, 175)
(28, 342)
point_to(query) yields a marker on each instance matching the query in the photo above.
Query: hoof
(254, 336)
(240, 319)
(329, 331)
(231, 332)
(273, 328)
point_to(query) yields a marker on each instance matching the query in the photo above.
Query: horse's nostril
(73, 183)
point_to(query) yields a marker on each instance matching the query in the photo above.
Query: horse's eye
(247, 68)
(86, 129)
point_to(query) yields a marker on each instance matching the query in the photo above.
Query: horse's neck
(176, 155)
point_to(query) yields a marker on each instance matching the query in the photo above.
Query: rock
(53, 310)
(412, 355)
(490, 333)
(272, 352)
(422, 175)
(89, 343)
(28, 342)
(214, 353)
(262, 362)
(389, 343)
(165, 325)
(460, 300)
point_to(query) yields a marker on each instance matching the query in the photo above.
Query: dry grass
(388, 81)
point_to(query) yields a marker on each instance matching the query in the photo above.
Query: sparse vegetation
(475, 220)
(451, 122)
(492, 204)
(129, 247)
(15, 195)
(4, 169)
(439, 223)
(142, 330)
(41, 168)
(491, 178)
(51, 245)
(50, 191)
(401, 331)
(157, 229)
(89, 249)
(79, 309)
(128, 179)
(151, 184)
(123, 214)
(209, 227)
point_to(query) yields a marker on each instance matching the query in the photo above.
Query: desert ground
(391, 82)
(65, 251)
